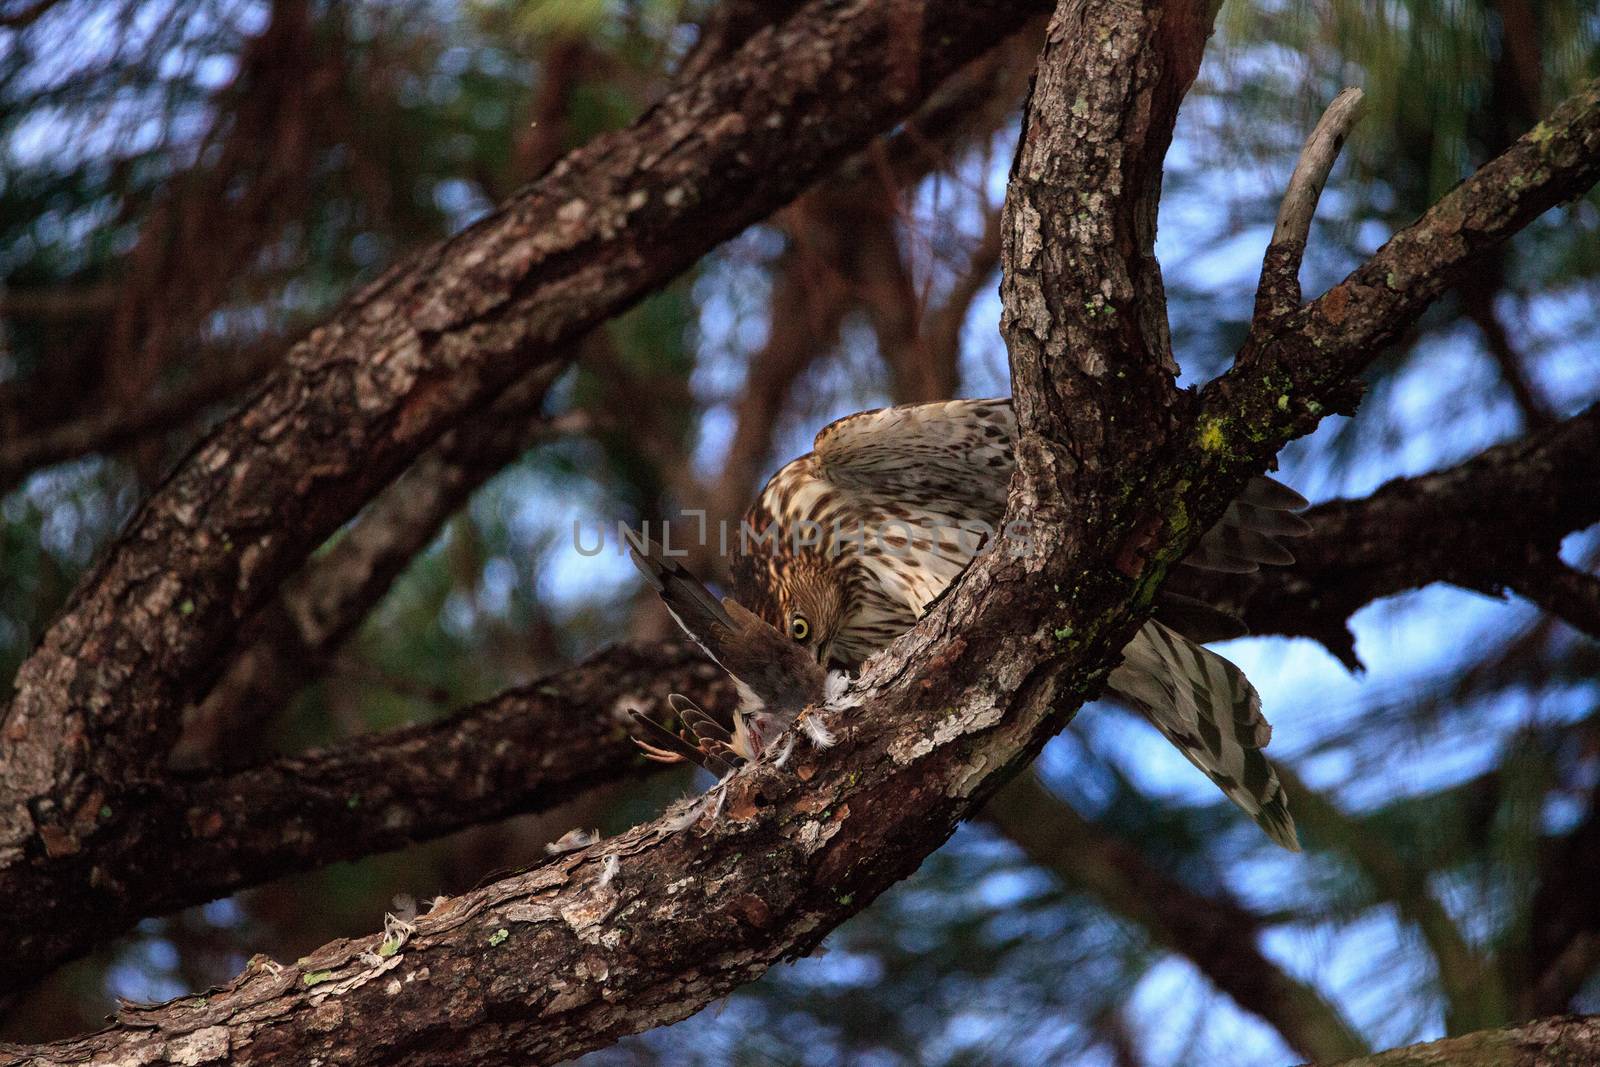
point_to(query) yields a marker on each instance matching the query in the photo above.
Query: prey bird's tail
(1207, 707)
(701, 615)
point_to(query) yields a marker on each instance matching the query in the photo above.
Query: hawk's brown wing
(955, 457)
(956, 451)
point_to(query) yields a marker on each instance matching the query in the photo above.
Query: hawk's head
(800, 592)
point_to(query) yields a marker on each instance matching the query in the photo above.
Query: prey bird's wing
(768, 669)
(664, 746)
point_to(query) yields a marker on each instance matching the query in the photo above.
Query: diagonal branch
(1569, 594)
(1542, 1043)
(1215, 933)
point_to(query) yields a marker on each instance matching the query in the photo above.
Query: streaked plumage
(925, 475)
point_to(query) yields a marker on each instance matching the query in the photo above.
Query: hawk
(848, 545)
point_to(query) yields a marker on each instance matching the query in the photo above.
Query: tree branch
(1561, 1039)
(1279, 289)
(199, 838)
(1569, 594)
(1323, 342)
(1542, 487)
(1475, 525)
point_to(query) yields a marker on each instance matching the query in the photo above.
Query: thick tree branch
(1552, 1042)
(1285, 381)
(199, 838)
(1476, 525)
(1569, 594)
(1215, 933)
(411, 355)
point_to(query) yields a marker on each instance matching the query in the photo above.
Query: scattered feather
(572, 841)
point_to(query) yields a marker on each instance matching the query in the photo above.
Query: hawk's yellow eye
(799, 628)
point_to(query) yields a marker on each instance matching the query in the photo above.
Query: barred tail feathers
(1207, 708)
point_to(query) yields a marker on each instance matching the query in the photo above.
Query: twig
(1279, 291)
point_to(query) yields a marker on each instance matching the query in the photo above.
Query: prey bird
(777, 678)
(848, 545)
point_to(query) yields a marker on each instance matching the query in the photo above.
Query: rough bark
(197, 838)
(428, 343)
(1306, 349)
(294, 638)
(1559, 1041)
